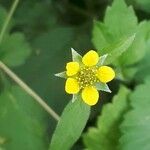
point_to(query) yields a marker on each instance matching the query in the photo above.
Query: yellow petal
(90, 95)
(72, 86)
(105, 74)
(72, 68)
(91, 58)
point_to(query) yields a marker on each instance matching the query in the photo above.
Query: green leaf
(106, 135)
(100, 36)
(136, 125)
(23, 123)
(71, 125)
(116, 50)
(120, 22)
(102, 87)
(14, 49)
(144, 65)
(137, 50)
(50, 54)
(120, 19)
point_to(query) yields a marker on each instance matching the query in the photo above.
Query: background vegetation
(36, 45)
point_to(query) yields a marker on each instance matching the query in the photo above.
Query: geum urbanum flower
(86, 75)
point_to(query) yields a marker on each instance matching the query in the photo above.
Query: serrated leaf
(102, 87)
(136, 125)
(106, 135)
(144, 65)
(76, 56)
(110, 31)
(71, 125)
(118, 49)
(22, 121)
(14, 49)
(138, 49)
(120, 19)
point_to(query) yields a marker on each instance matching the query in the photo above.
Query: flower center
(87, 76)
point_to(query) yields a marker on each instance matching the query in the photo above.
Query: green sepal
(61, 75)
(76, 56)
(102, 87)
(74, 97)
(102, 60)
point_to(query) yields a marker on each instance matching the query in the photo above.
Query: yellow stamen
(87, 76)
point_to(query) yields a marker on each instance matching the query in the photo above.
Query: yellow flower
(86, 75)
(72, 86)
(72, 68)
(105, 74)
(90, 95)
(90, 59)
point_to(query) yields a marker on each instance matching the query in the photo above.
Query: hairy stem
(12, 75)
(13, 8)
(26, 88)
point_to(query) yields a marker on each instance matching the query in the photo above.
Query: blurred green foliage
(37, 45)
(121, 21)
(135, 126)
(23, 122)
(106, 135)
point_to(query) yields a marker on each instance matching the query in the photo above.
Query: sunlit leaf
(14, 49)
(120, 22)
(106, 135)
(118, 49)
(23, 123)
(70, 126)
(136, 125)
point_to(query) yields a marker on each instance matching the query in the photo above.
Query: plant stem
(26, 88)
(12, 75)
(13, 7)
